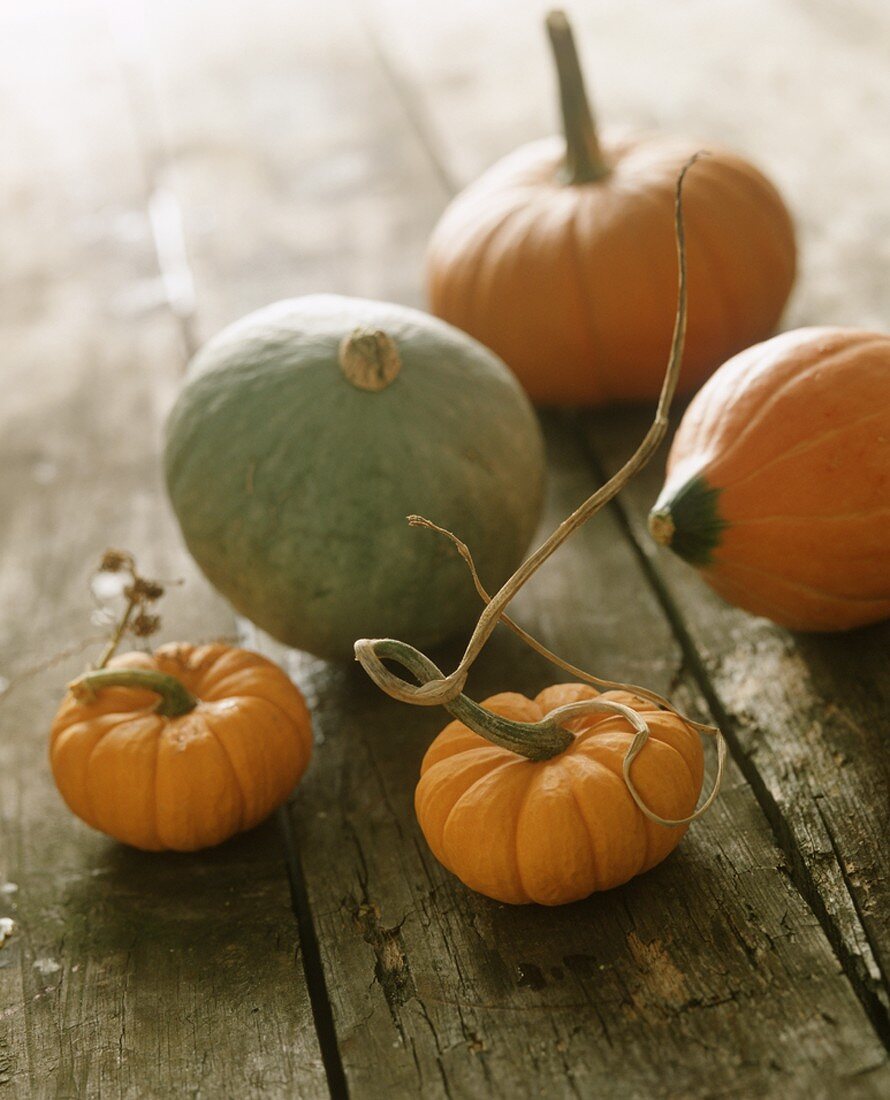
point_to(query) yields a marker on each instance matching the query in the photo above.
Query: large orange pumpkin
(182, 748)
(561, 257)
(778, 485)
(553, 831)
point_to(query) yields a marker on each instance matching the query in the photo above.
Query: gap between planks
(873, 1001)
(165, 216)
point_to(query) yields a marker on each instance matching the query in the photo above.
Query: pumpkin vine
(541, 741)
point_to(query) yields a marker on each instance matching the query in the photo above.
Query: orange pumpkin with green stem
(557, 830)
(560, 258)
(556, 797)
(778, 484)
(182, 748)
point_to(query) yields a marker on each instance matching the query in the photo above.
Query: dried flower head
(139, 592)
(113, 561)
(143, 590)
(144, 625)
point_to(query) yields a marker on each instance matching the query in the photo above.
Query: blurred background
(208, 157)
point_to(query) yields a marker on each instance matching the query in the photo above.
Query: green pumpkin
(304, 436)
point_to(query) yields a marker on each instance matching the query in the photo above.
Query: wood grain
(127, 974)
(808, 716)
(819, 771)
(710, 973)
(712, 968)
(278, 137)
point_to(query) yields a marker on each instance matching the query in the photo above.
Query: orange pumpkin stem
(584, 162)
(176, 699)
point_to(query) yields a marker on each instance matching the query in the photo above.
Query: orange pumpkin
(778, 484)
(555, 830)
(561, 257)
(225, 745)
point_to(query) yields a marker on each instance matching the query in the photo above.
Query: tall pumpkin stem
(176, 699)
(584, 161)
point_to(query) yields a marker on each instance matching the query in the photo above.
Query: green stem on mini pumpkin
(176, 699)
(533, 740)
(584, 161)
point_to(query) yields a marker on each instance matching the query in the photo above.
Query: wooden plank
(808, 719)
(649, 65)
(261, 125)
(710, 969)
(126, 974)
(711, 973)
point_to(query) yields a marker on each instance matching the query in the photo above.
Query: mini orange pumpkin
(560, 258)
(555, 830)
(779, 480)
(225, 745)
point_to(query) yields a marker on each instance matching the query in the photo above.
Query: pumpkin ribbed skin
(575, 285)
(292, 484)
(778, 483)
(187, 782)
(555, 831)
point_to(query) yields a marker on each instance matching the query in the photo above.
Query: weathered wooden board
(712, 973)
(808, 716)
(711, 969)
(127, 974)
(278, 137)
(820, 772)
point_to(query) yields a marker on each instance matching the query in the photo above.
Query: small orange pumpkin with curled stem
(555, 831)
(182, 748)
(547, 800)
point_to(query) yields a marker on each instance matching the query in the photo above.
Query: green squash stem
(689, 521)
(175, 701)
(584, 161)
